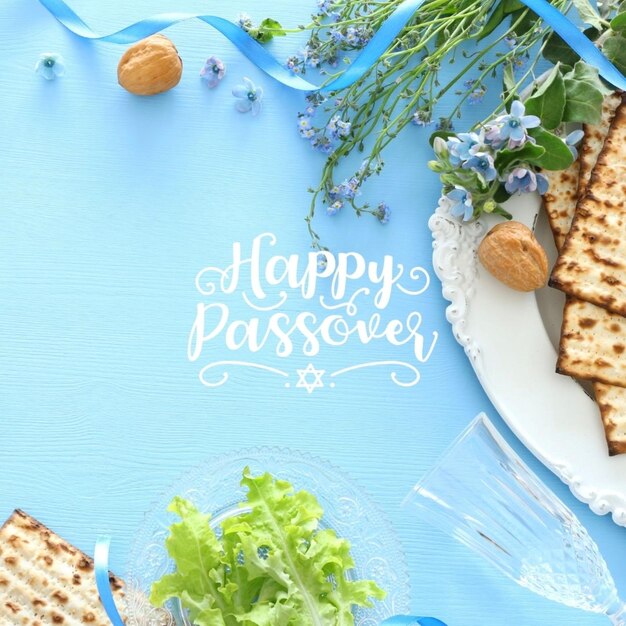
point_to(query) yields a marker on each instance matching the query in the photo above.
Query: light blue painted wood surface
(109, 207)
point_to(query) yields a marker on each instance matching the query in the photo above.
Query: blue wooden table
(110, 206)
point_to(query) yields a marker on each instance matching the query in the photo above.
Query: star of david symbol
(310, 378)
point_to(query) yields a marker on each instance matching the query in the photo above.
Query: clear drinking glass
(484, 495)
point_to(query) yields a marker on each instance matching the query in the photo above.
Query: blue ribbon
(577, 41)
(408, 620)
(383, 38)
(101, 568)
(251, 48)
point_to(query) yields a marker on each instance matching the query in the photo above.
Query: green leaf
(583, 102)
(556, 154)
(503, 212)
(548, 102)
(267, 30)
(273, 564)
(495, 19)
(618, 23)
(196, 551)
(528, 153)
(557, 51)
(444, 134)
(587, 14)
(585, 73)
(508, 82)
(511, 6)
(528, 21)
(501, 195)
(285, 521)
(614, 47)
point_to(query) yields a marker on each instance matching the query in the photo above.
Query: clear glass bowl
(214, 487)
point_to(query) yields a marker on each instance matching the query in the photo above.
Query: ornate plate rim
(576, 454)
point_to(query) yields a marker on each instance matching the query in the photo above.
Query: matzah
(567, 186)
(593, 141)
(593, 344)
(612, 403)
(592, 264)
(588, 349)
(611, 399)
(560, 201)
(46, 581)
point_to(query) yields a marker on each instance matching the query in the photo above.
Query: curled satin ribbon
(408, 620)
(251, 48)
(379, 43)
(101, 568)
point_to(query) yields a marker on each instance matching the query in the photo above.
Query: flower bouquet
(453, 48)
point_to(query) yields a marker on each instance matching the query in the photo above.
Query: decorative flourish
(420, 276)
(249, 97)
(225, 375)
(282, 298)
(50, 65)
(394, 376)
(349, 305)
(213, 72)
(310, 378)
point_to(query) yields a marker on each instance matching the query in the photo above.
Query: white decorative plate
(510, 339)
(215, 487)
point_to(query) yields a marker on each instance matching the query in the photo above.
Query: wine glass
(484, 495)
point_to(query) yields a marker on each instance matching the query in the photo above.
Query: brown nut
(511, 253)
(150, 66)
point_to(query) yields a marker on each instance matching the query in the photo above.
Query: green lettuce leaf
(273, 565)
(199, 577)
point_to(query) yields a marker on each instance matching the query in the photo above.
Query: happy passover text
(339, 287)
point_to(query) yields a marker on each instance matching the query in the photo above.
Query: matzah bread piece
(592, 264)
(611, 399)
(560, 201)
(593, 142)
(593, 344)
(567, 186)
(46, 581)
(612, 403)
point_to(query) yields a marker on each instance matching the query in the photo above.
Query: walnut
(150, 66)
(511, 254)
